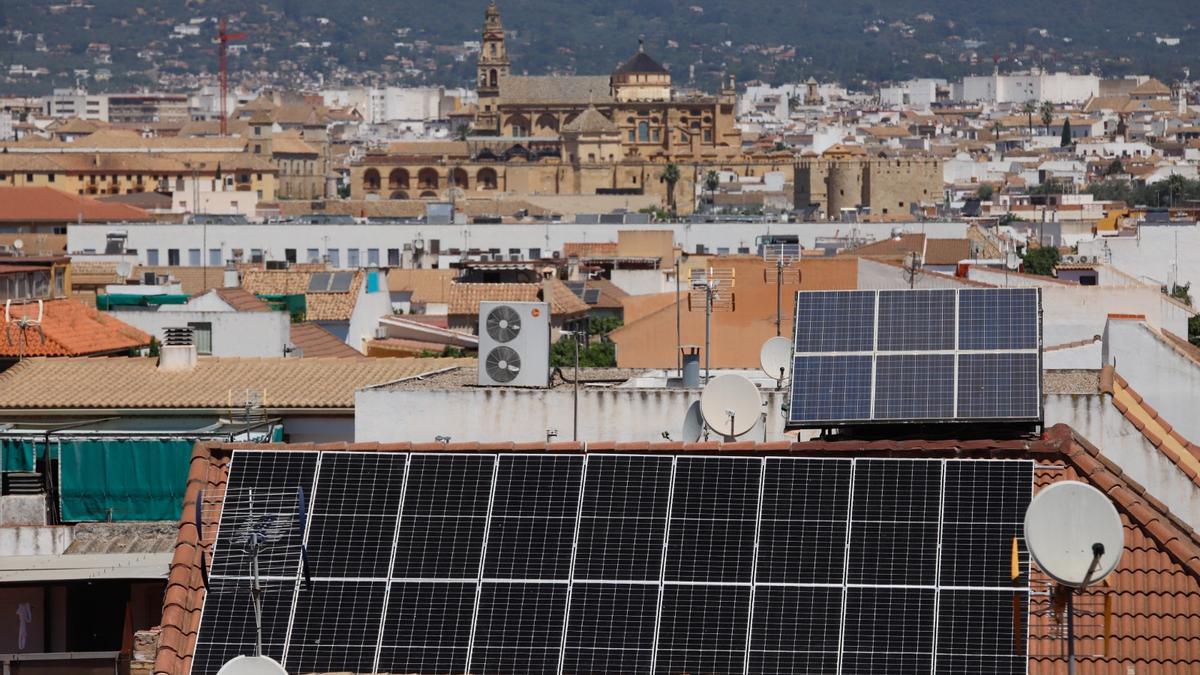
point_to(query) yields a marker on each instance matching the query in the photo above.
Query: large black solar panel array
(451, 562)
(969, 354)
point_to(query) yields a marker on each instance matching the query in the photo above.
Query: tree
(461, 131)
(985, 192)
(1041, 260)
(593, 353)
(1029, 108)
(670, 176)
(1194, 330)
(1115, 168)
(997, 129)
(1066, 140)
(1182, 293)
(712, 181)
(1047, 115)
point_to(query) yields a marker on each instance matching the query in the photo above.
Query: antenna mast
(224, 38)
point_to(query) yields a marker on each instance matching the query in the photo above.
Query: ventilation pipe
(178, 350)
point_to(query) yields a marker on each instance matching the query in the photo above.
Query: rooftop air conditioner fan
(503, 364)
(503, 324)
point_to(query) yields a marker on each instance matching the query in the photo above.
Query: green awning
(118, 300)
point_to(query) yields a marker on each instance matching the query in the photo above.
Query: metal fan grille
(503, 323)
(503, 364)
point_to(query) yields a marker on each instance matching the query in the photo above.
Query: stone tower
(493, 65)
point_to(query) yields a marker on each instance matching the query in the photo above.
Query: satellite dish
(731, 405)
(1074, 533)
(693, 423)
(18, 244)
(775, 357)
(252, 665)
(1012, 261)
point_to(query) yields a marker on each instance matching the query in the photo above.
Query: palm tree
(1029, 108)
(670, 176)
(1047, 115)
(997, 129)
(712, 181)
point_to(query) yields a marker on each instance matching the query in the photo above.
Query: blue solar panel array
(630, 563)
(971, 354)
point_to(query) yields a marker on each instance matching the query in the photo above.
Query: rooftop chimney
(232, 279)
(178, 350)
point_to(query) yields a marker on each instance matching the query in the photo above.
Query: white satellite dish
(252, 665)
(693, 423)
(1074, 533)
(18, 244)
(1012, 261)
(731, 405)
(775, 357)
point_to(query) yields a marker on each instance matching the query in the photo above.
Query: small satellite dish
(731, 405)
(18, 244)
(1074, 533)
(252, 665)
(775, 357)
(693, 423)
(1012, 261)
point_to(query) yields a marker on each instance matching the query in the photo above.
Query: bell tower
(493, 65)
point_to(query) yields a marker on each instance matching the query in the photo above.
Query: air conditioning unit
(514, 344)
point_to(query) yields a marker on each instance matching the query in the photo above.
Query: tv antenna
(730, 405)
(712, 289)
(1075, 536)
(22, 324)
(775, 358)
(265, 524)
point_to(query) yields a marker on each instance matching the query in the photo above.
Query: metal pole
(575, 415)
(779, 293)
(678, 322)
(1071, 633)
(708, 292)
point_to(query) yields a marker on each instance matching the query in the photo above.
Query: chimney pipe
(691, 366)
(231, 279)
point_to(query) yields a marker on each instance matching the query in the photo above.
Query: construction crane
(224, 38)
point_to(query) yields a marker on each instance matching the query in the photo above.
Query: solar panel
(319, 282)
(591, 296)
(340, 283)
(916, 355)
(455, 562)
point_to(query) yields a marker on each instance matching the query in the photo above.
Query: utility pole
(224, 38)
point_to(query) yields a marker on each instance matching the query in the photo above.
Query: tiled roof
(946, 251)
(555, 89)
(319, 306)
(465, 298)
(69, 328)
(318, 342)
(192, 280)
(590, 121)
(590, 249)
(890, 247)
(426, 285)
(242, 300)
(212, 384)
(1155, 590)
(43, 204)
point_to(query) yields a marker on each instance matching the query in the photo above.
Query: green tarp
(16, 454)
(141, 479)
(118, 300)
(294, 304)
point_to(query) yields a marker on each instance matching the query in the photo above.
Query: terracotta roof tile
(465, 298)
(43, 204)
(215, 383)
(69, 328)
(1155, 591)
(319, 306)
(318, 342)
(242, 300)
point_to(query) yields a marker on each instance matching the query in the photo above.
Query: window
(334, 256)
(152, 257)
(393, 257)
(193, 257)
(352, 257)
(313, 255)
(258, 149)
(173, 256)
(535, 254)
(708, 135)
(256, 255)
(214, 257)
(373, 257)
(50, 177)
(28, 178)
(654, 135)
(201, 336)
(257, 131)
(631, 136)
(289, 254)
(643, 132)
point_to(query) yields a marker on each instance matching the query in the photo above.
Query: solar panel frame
(935, 355)
(720, 620)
